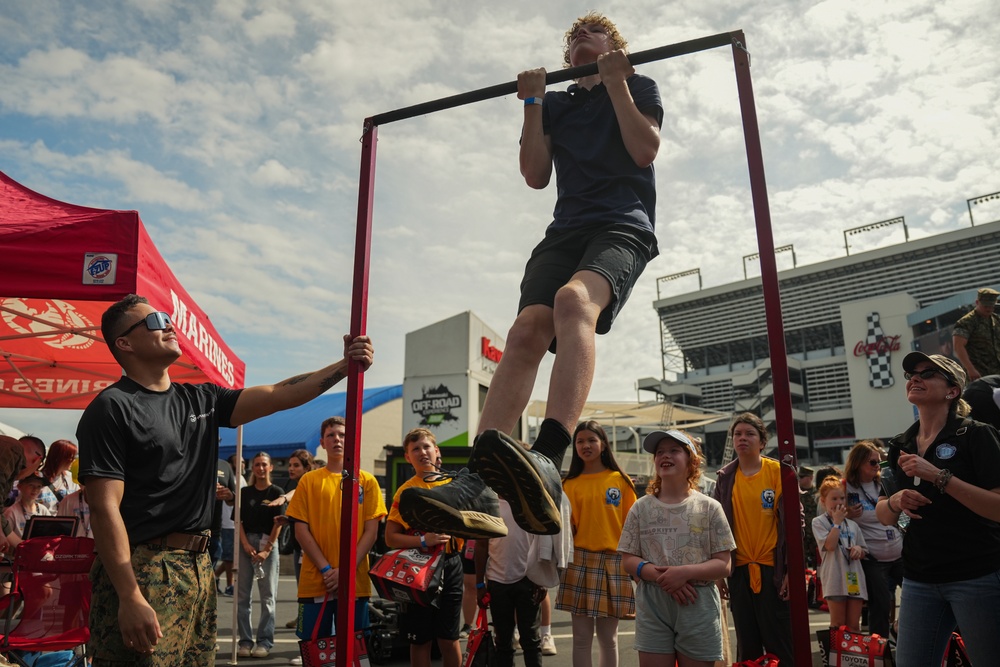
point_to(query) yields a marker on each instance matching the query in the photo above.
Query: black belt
(195, 542)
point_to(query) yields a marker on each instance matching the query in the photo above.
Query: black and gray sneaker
(464, 508)
(524, 478)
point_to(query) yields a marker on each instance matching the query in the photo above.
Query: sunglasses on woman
(926, 374)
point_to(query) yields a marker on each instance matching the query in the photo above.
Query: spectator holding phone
(883, 566)
(841, 546)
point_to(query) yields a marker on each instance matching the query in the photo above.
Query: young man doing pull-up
(601, 137)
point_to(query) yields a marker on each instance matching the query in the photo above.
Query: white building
(843, 318)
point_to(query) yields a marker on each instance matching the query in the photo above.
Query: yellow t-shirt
(317, 502)
(755, 513)
(599, 502)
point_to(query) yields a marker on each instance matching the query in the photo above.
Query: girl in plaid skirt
(595, 588)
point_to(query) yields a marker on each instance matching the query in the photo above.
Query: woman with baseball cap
(947, 473)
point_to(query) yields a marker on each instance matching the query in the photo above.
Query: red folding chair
(48, 608)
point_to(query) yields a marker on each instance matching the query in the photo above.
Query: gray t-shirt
(685, 533)
(835, 565)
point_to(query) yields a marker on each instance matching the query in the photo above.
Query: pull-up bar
(772, 307)
(558, 76)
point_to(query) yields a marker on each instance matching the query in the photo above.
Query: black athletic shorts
(619, 253)
(422, 624)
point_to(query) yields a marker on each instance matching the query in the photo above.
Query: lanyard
(846, 551)
(873, 501)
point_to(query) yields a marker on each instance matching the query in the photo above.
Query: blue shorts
(228, 537)
(309, 612)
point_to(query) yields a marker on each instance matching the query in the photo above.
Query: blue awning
(282, 433)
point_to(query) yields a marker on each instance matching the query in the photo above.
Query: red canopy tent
(61, 266)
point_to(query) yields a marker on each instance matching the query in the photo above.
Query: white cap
(650, 442)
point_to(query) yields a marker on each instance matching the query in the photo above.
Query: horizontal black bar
(569, 74)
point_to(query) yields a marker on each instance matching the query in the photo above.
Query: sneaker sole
(430, 514)
(512, 476)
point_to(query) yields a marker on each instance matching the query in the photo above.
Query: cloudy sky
(233, 128)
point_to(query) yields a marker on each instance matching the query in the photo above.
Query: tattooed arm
(263, 400)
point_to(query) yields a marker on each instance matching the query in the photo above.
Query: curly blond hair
(596, 18)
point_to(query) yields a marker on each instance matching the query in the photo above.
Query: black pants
(763, 620)
(510, 601)
(881, 579)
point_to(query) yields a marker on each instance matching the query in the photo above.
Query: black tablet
(50, 526)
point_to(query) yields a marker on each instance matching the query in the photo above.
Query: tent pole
(236, 544)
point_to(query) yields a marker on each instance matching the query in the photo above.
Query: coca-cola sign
(878, 349)
(882, 345)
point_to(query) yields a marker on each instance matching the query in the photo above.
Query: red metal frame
(779, 360)
(355, 395)
(772, 306)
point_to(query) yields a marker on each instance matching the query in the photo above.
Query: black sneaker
(526, 479)
(464, 508)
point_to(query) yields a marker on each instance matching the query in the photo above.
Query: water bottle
(890, 485)
(258, 569)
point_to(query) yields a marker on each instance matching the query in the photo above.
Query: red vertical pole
(779, 360)
(355, 395)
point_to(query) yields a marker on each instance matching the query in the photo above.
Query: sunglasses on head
(926, 374)
(154, 322)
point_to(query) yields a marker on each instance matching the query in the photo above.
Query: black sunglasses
(154, 322)
(926, 374)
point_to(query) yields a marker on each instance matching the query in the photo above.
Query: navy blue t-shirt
(597, 181)
(164, 446)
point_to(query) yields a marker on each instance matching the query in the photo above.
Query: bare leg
(420, 655)
(607, 642)
(583, 640)
(573, 322)
(657, 659)
(451, 652)
(527, 342)
(578, 305)
(469, 599)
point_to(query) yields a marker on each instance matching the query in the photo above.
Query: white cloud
(269, 24)
(234, 128)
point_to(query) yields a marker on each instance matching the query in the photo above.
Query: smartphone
(853, 499)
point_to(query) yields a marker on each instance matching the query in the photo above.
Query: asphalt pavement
(286, 643)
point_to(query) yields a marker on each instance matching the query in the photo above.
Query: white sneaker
(260, 652)
(548, 645)
(243, 652)
(297, 660)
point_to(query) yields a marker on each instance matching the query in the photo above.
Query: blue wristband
(481, 585)
(529, 101)
(326, 569)
(423, 542)
(638, 570)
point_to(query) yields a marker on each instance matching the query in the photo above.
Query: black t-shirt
(951, 542)
(164, 446)
(225, 477)
(254, 514)
(598, 182)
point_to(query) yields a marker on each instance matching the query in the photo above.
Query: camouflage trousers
(180, 587)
